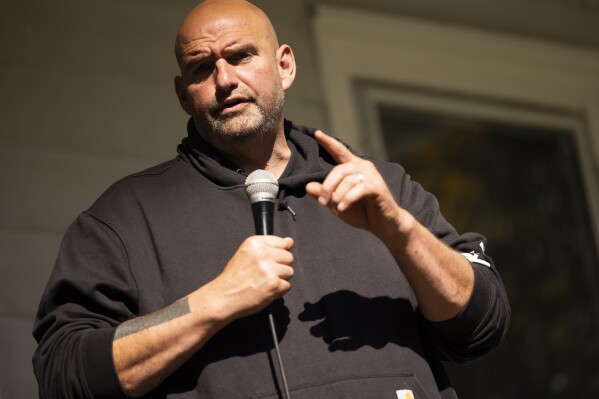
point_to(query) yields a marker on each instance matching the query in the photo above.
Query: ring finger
(348, 183)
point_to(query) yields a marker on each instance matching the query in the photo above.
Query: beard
(254, 122)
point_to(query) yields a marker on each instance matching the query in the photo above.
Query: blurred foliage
(521, 187)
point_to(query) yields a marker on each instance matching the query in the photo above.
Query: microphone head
(261, 185)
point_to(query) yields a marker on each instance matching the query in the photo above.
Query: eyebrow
(198, 57)
(201, 54)
(241, 48)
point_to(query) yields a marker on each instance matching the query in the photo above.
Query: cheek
(198, 95)
(264, 84)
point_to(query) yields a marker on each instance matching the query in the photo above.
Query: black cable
(278, 352)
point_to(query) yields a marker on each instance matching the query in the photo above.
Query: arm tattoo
(171, 312)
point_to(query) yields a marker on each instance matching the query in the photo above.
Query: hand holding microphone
(257, 274)
(260, 270)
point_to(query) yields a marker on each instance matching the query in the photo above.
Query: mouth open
(232, 103)
(231, 106)
(235, 103)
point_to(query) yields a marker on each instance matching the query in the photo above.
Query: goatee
(253, 122)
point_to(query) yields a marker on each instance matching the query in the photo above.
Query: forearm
(148, 349)
(441, 278)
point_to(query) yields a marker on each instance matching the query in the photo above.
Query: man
(161, 288)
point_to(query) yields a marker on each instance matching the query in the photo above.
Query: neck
(267, 152)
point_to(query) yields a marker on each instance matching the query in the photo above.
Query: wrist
(401, 226)
(209, 307)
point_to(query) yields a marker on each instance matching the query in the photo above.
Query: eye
(203, 68)
(239, 58)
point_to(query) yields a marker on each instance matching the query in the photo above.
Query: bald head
(233, 75)
(210, 15)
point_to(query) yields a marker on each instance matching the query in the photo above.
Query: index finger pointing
(338, 151)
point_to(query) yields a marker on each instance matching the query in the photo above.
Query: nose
(225, 77)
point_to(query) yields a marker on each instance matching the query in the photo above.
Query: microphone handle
(263, 212)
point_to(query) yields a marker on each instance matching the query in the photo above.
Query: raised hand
(441, 278)
(356, 191)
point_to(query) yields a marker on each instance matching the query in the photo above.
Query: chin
(238, 128)
(241, 125)
(250, 123)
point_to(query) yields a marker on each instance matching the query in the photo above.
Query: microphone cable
(278, 352)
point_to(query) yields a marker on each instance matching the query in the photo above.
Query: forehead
(216, 25)
(220, 34)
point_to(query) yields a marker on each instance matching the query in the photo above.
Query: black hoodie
(349, 327)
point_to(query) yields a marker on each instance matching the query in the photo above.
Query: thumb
(314, 188)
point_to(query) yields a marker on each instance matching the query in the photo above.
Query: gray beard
(255, 125)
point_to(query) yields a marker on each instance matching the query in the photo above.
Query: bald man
(161, 288)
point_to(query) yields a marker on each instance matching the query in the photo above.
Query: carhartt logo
(405, 394)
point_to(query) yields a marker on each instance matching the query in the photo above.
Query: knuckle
(248, 243)
(272, 284)
(264, 266)
(256, 245)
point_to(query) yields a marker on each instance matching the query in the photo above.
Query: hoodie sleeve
(89, 293)
(480, 327)
(483, 323)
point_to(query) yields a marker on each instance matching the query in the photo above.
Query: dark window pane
(521, 187)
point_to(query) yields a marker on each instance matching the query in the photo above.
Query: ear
(182, 94)
(286, 65)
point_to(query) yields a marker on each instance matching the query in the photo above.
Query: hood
(308, 162)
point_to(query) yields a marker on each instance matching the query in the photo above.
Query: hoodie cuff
(474, 313)
(98, 365)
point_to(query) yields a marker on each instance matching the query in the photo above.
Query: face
(233, 77)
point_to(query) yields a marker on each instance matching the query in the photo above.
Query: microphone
(262, 189)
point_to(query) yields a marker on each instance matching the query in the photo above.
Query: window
(522, 186)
